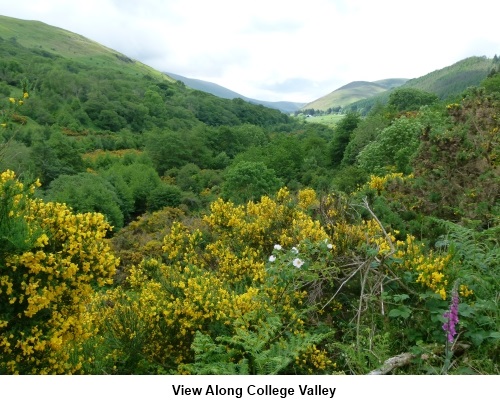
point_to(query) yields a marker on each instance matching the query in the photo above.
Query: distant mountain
(219, 91)
(352, 92)
(446, 83)
(391, 83)
(207, 87)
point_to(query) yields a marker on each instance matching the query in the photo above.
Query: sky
(280, 50)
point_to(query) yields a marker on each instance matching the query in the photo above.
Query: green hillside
(446, 83)
(107, 90)
(352, 92)
(87, 103)
(452, 80)
(50, 42)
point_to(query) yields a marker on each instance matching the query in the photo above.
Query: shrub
(50, 262)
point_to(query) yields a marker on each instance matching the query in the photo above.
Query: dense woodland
(147, 228)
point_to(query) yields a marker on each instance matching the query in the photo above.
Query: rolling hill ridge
(352, 92)
(223, 92)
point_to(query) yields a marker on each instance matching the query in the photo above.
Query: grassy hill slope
(50, 42)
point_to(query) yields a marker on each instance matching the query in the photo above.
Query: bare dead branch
(343, 283)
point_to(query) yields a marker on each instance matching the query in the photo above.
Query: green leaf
(494, 335)
(400, 312)
(478, 337)
(401, 297)
(465, 310)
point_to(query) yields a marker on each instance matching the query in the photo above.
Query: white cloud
(280, 49)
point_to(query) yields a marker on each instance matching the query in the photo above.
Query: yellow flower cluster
(233, 267)
(170, 304)
(464, 291)
(307, 199)
(269, 220)
(313, 360)
(379, 184)
(430, 267)
(51, 280)
(347, 236)
(10, 114)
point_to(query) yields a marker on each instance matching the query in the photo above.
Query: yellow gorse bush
(45, 287)
(260, 224)
(379, 183)
(431, 267)
(237, 267)
(213, 279)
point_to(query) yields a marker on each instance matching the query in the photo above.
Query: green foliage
(16, 156)
(374, 347)
(410, 99)
(164, 195)
(476, 257)
(457, 165)
(349, 179)
(233, 140)
(123, 192)
(284, 155)
(87, 192)
(366, 132)
(257, 351)
(394, 146)
(54, 154)
(492, 83)
(478, 253)
(140, 178)
(248, 181)
(342, 136)
(169, 149)
(452, 80)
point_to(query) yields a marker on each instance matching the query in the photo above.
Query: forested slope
(447, 83)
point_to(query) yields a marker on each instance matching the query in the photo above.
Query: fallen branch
(404, 359)
(392, 363)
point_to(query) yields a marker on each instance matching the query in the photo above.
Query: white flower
(298, 262)
(277, 247)
(295, 250)
(329, 246)
(272, 258)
